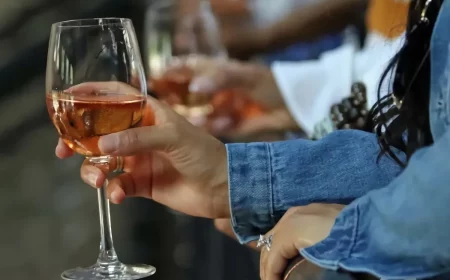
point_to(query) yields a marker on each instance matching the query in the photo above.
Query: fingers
(274, 262)
(199, 121)
(120, 187)
(62, 150)
(221, 75)
(165, 135)
(92, 175)
(299, 227)
(209, 75)
(263, 258)
(117, 189)
(283, 248)
(277, 259)
(138, 140)
(204, 75)
(221, 126)
(96, 175)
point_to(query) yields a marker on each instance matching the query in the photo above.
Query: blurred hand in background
(245, 97)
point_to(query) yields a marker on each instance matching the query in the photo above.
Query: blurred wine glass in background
(173, 33)
(170, 36)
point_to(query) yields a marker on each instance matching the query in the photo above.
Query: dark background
(48, 218)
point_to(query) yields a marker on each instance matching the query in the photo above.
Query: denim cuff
(352, 246)
(266, 179)
(250, 187)
(338, 245)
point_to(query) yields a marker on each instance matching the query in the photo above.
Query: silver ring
(119, 165)
(266, 242)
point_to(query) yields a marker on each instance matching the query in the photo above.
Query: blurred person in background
(262, 15)
(317, 96)
(256, 15)
(265, 26)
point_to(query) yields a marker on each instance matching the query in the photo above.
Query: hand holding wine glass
(245, 97)
(186, 51)
(168, 160)
(104, 51)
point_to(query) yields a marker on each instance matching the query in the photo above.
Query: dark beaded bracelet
(351, 113)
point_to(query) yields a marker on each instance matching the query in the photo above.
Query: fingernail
(221, 123)
(198, 121)
(58, 150)
(116, 196)
(92, 179)
(108, 143)
(202, 85)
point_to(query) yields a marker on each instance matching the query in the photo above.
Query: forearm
(400, 231)
(313, 21)
(266, 179)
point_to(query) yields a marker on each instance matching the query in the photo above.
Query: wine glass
(173, 31)
(95, 85)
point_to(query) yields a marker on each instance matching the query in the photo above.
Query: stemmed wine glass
(172, 34)
(95, 85)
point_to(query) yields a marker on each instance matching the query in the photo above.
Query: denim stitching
(270, 182)
(355, 232)
(444, 106)
(233, 217)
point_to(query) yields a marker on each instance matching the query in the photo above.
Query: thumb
(164, 135)
(138, 140)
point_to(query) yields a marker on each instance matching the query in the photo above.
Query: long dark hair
(401, 119)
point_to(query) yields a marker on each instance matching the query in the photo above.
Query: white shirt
(266, 12)
(310, 88)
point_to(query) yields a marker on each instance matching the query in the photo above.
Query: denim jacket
(396, 228)
(266, 179)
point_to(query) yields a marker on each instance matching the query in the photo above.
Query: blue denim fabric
(402, 231)
(399, 231)
(305, 51)
(266, 179)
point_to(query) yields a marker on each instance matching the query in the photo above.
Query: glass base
(111, 272)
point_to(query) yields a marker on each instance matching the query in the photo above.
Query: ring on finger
(119, 165)
(266, 242)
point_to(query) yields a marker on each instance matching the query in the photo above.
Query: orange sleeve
(387, 17)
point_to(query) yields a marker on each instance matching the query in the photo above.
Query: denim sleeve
(266, 179)
(399, 231)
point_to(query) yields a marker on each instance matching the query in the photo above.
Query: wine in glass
(172, 36)
(95, 85)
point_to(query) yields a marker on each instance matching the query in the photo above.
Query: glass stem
(107, 254)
